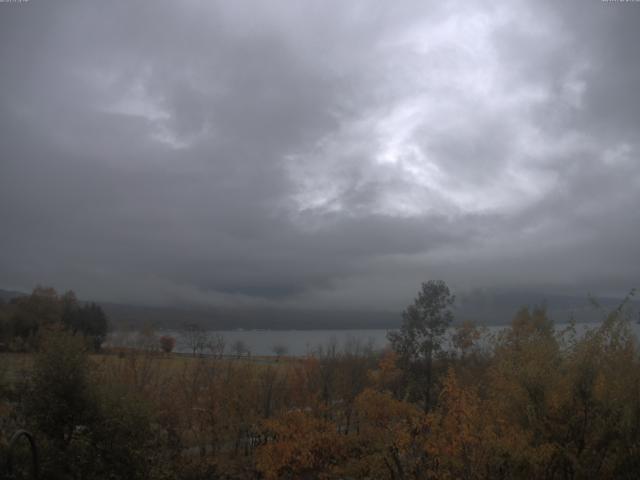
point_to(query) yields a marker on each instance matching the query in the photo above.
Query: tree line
(23, 317)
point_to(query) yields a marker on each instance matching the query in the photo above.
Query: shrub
(167, 343)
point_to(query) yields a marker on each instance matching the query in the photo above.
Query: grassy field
(14, 367)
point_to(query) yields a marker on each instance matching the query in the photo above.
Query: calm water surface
(302, 342)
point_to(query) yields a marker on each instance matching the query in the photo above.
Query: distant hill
(483, 307)
(6, 295)
(127, 316)
(496, 308)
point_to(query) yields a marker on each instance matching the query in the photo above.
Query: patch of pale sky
(136, 102)
(473, 70)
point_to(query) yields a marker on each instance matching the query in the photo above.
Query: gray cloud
(326, 155)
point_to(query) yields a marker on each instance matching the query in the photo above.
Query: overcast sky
(325, 154)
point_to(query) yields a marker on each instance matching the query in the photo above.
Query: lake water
(262, 342)
(298, 342)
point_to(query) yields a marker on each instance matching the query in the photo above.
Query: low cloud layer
(328, 155)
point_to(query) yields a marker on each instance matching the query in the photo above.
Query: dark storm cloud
(334, 154)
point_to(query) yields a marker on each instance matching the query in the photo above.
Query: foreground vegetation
(529, 402)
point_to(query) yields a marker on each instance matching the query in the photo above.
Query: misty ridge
(319, 241)
(483, 308)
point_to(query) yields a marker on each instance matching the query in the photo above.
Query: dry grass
(14, 367)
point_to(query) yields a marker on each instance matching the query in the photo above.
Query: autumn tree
(5, 325)
(466, 337)
(30, 313)
(271, 385)
(44, 308)
(387, 375)
(89, 320)
(390, 439)
(167, 343)
(305, 384)
(353, 365)
(460, 440)
(421, 334)
(301, 446)
(85, 428)
(59, 396)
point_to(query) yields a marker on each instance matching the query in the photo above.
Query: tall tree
(419, 339)
(94, 324)
(41, 308)
(89, 319)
